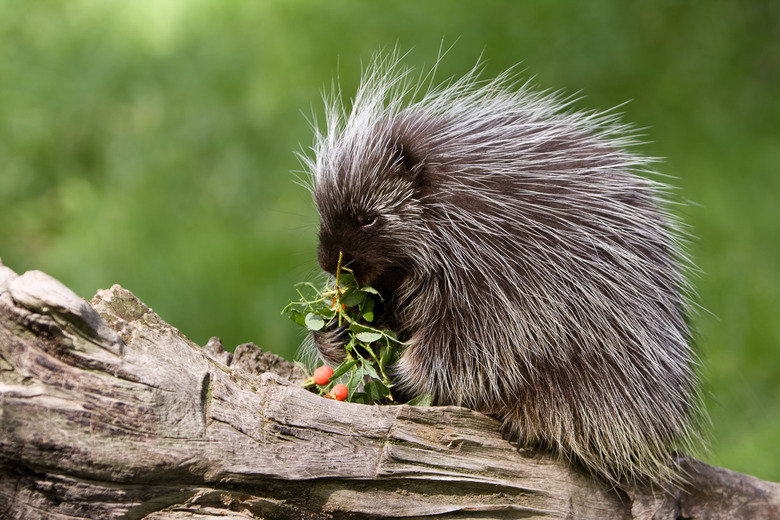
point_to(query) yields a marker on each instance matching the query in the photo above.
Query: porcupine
(527, 258)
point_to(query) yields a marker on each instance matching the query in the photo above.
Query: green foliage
(148, 143)
(370, 352)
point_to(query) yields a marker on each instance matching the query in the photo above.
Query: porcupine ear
(409, 161)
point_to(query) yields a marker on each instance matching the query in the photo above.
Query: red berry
(322, 375)
(340, 392)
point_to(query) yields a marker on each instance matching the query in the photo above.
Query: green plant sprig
(370, 352)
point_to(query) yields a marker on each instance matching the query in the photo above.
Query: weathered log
(109, 412)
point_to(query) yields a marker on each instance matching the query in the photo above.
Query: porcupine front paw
(510, 432)
(330, 344)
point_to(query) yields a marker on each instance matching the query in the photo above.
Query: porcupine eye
(367, 221)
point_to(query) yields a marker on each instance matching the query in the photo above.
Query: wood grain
(109, 412)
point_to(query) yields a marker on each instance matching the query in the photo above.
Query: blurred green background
(150, 144)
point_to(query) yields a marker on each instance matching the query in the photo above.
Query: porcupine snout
(350, 244)
(328, 258)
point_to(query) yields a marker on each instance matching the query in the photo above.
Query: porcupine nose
(327, 260)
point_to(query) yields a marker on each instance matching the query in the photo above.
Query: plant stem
(338, 272)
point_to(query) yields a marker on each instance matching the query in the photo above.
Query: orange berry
(322, 375)
(340, 392)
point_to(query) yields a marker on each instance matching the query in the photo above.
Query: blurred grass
(150, 144)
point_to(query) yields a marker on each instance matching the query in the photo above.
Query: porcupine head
(526, 258)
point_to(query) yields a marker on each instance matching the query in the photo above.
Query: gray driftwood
(109, 412)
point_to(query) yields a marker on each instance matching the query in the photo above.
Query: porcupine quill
(527, 257)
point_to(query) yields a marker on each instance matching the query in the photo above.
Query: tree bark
(109, 412)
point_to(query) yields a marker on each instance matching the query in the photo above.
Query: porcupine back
(526, 257)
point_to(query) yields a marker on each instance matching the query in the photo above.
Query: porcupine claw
(330, 344)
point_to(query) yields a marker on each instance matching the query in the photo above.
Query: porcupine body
(533, 273)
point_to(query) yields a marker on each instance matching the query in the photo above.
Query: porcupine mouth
(364, 276)
(382, 276)
(386, 281)
(363, 271)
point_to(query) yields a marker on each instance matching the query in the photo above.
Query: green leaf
(387, 357)
(368, 337)
(369, 369)
(367, 309)
(359, 327)
(298, 317)
(421, 400)
(355, 379)
(360, 397)
(346, 279)
(343, 369)
(353, 297)
(314, 322)
(376, 390)
(389, 334)
(326, 313)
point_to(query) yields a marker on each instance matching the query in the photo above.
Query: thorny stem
(338, 293)
(338, 272)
